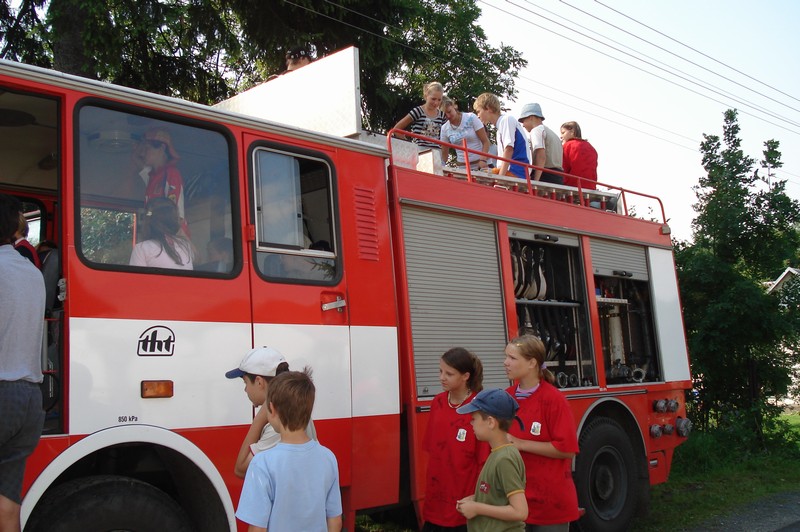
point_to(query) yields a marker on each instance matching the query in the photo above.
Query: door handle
(338, 304)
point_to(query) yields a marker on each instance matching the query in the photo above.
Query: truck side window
(550, 295)
(625, 306)
(294, 217)
(137, 173)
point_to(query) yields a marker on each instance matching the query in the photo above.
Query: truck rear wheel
(605, 477)
(106, 502)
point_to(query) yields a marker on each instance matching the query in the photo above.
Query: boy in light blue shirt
(294, 485)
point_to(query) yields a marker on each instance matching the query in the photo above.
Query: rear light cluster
(681, 425)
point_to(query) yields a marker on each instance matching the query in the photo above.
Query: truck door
(299, 292)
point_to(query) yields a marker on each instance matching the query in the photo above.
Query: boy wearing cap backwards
(295, 486)
(258, 367)
(499, 503)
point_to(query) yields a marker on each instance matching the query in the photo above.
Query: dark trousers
(547, 177)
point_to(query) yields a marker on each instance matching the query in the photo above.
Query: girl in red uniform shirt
(455, 456)
(580, 157)
(549, 440)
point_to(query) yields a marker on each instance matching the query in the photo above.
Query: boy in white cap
(499, 502)
(258, 367)
(545, 144)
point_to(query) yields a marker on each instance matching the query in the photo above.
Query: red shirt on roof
(580, 159)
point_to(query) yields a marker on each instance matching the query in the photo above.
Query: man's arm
(252, 528)
(403, 124)
(334, 523)
(542, 448)
(504, 167)
(515, 510)
(484, 138)
(539, 158)
(253, 435)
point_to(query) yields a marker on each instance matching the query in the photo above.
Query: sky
(647, 130)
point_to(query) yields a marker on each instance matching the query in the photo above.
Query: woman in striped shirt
(426, 119)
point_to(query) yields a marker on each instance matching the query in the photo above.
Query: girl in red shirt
(455, 456)
(549, 440)
(580, 157)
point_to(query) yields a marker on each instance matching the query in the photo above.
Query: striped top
(422, 124)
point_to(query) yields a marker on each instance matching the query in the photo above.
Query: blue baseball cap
(495, 402)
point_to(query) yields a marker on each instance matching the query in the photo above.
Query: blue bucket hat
(495, 402)
(531, 109)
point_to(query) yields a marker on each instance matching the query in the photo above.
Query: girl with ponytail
(549, 440)
(455, 456)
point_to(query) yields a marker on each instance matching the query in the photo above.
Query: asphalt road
(776, 513)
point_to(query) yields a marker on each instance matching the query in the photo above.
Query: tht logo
(158, 341)
(484, 487)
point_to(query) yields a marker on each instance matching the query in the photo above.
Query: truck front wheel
(106, 502)
(605, 477)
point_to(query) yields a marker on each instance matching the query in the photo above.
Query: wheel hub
(604, 483)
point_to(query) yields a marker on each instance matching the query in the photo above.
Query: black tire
(103, 503)
(605, 477)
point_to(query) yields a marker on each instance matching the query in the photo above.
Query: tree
(743, 340)
(206, 50)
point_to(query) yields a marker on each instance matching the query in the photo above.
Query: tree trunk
(68, 20)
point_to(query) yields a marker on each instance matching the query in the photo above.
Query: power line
(697, 51)
(404, 45)
(534, 81)
(609, 109)
(621, 124)
(382, 23)
(666, 67)
(678, 55)
(525, 78)
(627, 63)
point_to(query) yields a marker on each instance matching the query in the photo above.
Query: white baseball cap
(530, 109)
(262, 361)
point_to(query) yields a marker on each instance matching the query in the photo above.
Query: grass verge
(708, 480)
(712, 475)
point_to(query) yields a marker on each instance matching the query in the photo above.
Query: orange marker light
(153, 389)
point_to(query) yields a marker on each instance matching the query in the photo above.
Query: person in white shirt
(462, 127)
(545, 145)
(512, 142)
(258, 367)
(164, 245)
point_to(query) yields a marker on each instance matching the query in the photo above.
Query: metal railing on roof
(614, 200)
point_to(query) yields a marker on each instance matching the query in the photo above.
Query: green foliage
(100, 227)
(22, 33)
(206, 50)
(744, 341)
(744, 220)
(707, 472)
(402, 44)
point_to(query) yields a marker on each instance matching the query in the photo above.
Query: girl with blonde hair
(548, 441)
(426, 119)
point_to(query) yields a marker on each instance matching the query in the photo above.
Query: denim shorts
(23, 418)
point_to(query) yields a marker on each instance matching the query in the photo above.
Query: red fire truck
(345, 256)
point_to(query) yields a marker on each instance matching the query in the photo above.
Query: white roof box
(323, 96)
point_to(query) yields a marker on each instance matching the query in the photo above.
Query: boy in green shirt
(499, 503)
